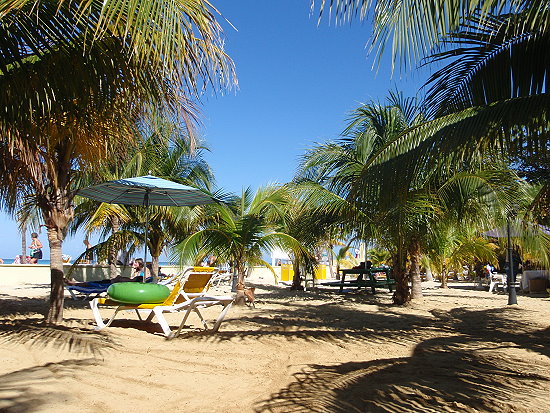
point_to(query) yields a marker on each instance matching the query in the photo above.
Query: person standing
(36, 248)
(89, 256)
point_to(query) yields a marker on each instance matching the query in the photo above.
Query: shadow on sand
(16, 388)
(478, 367)
(462, 360)
(22, 322)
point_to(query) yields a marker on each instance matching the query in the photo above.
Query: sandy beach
(457, 350)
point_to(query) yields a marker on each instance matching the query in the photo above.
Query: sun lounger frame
(178, 301)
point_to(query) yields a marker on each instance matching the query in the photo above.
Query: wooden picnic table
(371, 280)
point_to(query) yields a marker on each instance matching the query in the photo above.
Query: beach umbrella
(508, 232)
(514, 231)
(146, 190)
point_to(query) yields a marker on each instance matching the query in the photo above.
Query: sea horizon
(47, 262)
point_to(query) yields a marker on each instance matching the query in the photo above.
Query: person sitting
(139, 270)
(136, 275)
(364, 265)
(211, 261)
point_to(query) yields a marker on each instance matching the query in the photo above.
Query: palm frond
(489, 62)
(412, 28)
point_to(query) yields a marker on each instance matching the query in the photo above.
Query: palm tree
(492, 93)
(72, 93)
(378, 256)
(166, 152)
(310, 227)
(403, 219)
(399, 214)
(240, 232)
(449, 248)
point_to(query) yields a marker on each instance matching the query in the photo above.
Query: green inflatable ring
(138, 293)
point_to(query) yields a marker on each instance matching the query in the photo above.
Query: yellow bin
(321, 272)
(287, 272)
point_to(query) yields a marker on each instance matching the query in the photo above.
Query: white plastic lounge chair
(497, 280)
(188, 295)
(500, 280)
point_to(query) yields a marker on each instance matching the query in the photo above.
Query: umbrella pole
(146, 235)
(512, 298)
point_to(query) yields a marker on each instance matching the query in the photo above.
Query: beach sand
(457, 350)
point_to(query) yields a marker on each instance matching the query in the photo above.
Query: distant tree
(239, 232)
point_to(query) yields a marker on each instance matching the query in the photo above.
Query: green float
(138, 293)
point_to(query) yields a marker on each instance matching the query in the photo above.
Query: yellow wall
(287, 272)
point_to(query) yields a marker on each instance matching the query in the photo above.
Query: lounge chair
(188, 295)
(500, 280)
(93, 289)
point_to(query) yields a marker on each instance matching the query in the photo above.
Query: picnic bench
(372, 277)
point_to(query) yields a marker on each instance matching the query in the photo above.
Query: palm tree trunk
(58, 212)
(444, 277)
(23, 243)
(402, 292)
(155, 267)
(414, 271)
(113, 249)
(330, 256)
(57, 293)
(240, 298)
(297, 278)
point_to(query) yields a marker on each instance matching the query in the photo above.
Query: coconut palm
(378, 256)
(310, 226)
(71, 93)
(400, 214)
(403, 219)
(492, 92)
(169, 153)
(450, 248)
(240, 232)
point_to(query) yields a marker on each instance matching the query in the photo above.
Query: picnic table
(371, 278)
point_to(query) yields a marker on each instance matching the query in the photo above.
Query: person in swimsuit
(36, 248)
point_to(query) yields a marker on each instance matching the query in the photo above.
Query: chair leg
(177, 333)
(139, 315)
(150, 316)
(97, 315)
(221, 316)
(158, 311)
(197, 312)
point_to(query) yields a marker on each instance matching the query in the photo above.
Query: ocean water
(47, 262)
(41, 262)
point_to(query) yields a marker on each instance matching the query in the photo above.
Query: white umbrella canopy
(146, 190)
(502, 232)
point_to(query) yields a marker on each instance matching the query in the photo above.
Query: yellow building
(287, 272)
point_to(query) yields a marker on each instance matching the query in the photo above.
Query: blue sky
(298, 81)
